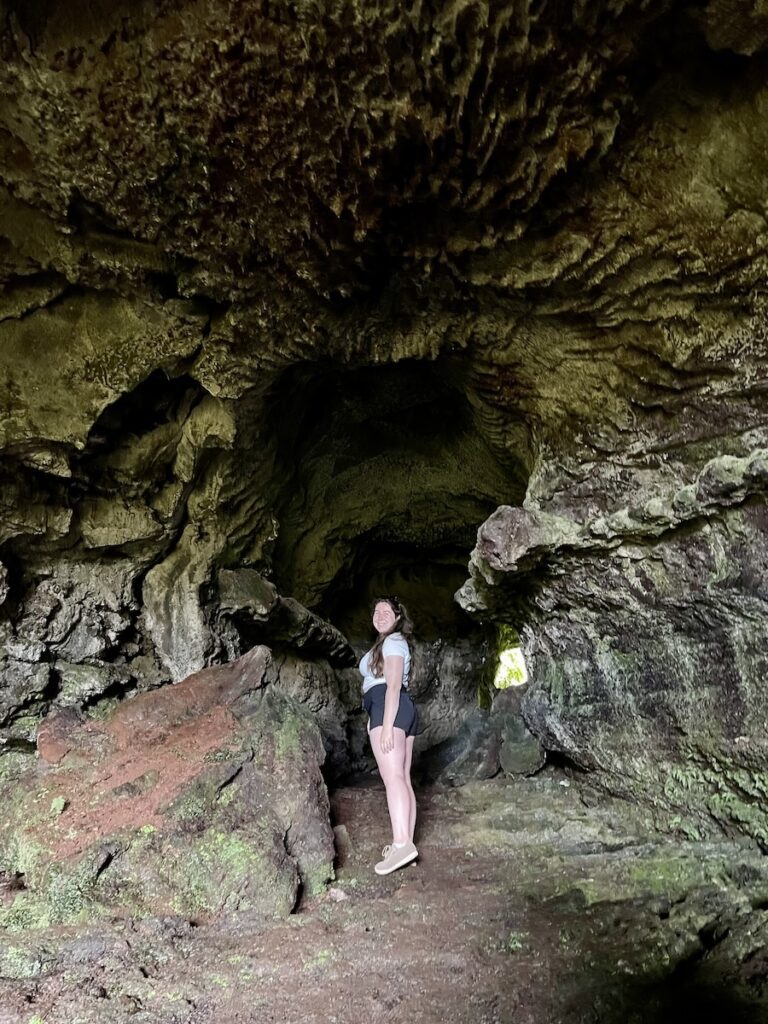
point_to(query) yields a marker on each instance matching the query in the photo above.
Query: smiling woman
(392, 725)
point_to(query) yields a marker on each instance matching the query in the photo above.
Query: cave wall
(306, 293)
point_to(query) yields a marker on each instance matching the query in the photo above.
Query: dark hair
(402, 625)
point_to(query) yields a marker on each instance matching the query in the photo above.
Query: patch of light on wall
(511, 670)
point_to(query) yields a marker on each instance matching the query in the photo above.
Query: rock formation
(195, 799)
(297, 298)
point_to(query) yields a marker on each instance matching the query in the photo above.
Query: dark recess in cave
(392, 457)
(156, 400)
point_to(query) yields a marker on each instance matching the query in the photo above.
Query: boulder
(194, 799)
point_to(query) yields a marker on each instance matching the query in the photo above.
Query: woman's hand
(387, 740)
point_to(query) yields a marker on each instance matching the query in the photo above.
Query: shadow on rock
(671, 1000)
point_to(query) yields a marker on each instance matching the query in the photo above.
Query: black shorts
(407, 717)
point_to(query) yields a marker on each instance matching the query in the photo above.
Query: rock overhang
(553, 217)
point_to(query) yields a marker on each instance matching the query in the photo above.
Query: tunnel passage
(388, 474)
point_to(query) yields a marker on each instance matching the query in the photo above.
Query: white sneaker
(396, 857)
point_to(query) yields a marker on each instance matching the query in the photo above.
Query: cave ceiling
(313, 288)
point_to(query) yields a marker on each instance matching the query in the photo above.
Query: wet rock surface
(530, 902)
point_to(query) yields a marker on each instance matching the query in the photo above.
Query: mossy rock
(203, 798)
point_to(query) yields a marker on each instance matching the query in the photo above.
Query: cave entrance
(386, 474)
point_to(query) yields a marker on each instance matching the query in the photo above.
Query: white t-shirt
(394, 644)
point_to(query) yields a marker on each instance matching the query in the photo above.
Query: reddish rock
(193, 798)
(57, 735)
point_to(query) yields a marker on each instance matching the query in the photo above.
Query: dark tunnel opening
(387, 473)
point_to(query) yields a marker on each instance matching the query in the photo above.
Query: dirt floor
(532, 902)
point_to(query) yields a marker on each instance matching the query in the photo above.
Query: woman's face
(383, 617)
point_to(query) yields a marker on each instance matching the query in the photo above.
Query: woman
(392, 724)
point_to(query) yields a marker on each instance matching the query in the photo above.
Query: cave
(308, 304)
(387, 475)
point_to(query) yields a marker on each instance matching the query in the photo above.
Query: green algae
(219, 847)
(289, 726)
(315, 879)
(729, 793)
(13, 763)
(21, 854)
(58, 805)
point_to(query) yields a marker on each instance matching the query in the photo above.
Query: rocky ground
(531, 902)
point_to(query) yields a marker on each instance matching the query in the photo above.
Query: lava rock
(193, 799)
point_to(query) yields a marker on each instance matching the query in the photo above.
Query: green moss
(101, 709)
(218, 756)
(202, 797)
(227, 795)
(316, 879)
(23, 855)
(728, 793)
(686, 828)
(511, 669)
(321, 959)
(516, 941)
(190, 806)
(225, 871)
(17, 962)
(288, 741)
(58, 805)
(660, 876)
(513, 943)
(12, 764)
(64, 896)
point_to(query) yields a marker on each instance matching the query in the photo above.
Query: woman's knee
(392, 774)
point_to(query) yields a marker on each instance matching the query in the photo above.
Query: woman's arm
(393, 673)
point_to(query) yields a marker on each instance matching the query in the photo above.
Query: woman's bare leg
(412, 812)
(392, 770)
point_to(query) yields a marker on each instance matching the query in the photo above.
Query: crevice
(232, 778)
(53, 288)
(16, 744)
(38, 701)
(558, 759)
(119, 689)
(107, 858)
(299, 896)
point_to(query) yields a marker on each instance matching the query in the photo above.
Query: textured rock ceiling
(337, 145)
(312, 289)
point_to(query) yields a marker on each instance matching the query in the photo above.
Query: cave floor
(533, 901)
